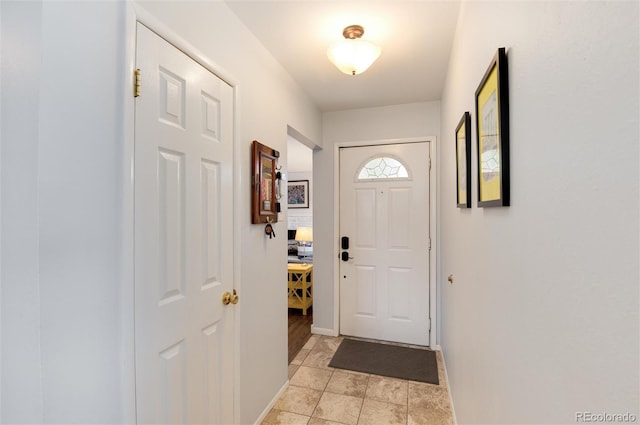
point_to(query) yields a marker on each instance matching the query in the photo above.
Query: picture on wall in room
(463, 161)
(492, 134)
(298, 194)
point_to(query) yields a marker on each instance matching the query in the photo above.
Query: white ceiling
(415, 36)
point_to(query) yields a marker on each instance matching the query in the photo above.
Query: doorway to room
(299, 200)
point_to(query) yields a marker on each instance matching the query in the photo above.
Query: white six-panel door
(183, 178)
(384, 285)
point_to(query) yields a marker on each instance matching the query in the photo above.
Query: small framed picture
(463, 161)
(492, 133)
(298, 194)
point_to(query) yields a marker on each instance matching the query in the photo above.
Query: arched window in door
(383, 167)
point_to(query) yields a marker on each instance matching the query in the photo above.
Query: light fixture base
(353, 31)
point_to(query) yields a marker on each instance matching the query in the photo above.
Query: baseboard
(446, 378)
(324, 331)
(272, 403)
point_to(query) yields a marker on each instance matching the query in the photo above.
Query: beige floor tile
(328, 344)
(298, 400)
(311, 342)
(311, 377)
(278, 417)
(299, 358)
(376, 412)
(338, 408)
(432, 415)
(425, 396)
(387, 389)
(293, 368)
(319, 359)
(348, 383)
(386, 400)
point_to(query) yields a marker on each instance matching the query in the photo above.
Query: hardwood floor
(299, 330)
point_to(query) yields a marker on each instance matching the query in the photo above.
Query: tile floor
(320, 395)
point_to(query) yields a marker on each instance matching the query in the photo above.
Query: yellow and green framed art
(492, 133)
(463, 161)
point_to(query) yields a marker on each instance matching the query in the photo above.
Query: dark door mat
(394, 361)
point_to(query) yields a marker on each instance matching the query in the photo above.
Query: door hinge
(429, 244)
(429, 164)
(136, 84)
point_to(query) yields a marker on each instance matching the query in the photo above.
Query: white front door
(183, 178)
(384, 213)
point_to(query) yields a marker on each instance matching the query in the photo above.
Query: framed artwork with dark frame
(263, 184)
(463, 161)
(298, 194)
(492, 133)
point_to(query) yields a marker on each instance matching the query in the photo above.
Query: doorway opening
(299, 200)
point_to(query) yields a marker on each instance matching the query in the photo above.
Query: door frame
(135, 13)
(434, 267)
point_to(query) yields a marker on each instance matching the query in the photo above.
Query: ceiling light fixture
(353, 55)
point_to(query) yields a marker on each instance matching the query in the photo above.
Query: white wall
(61, 134)
(370, 124)
(20, 296)
(64, 353)
(542, 320)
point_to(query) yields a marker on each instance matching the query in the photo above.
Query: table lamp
(304, 237)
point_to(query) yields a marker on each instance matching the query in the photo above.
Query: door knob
(345, 256)
(228, 298)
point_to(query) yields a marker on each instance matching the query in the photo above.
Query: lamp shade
(353, 56)
(304, 234)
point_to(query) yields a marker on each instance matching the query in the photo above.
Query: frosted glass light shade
(353, 56)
